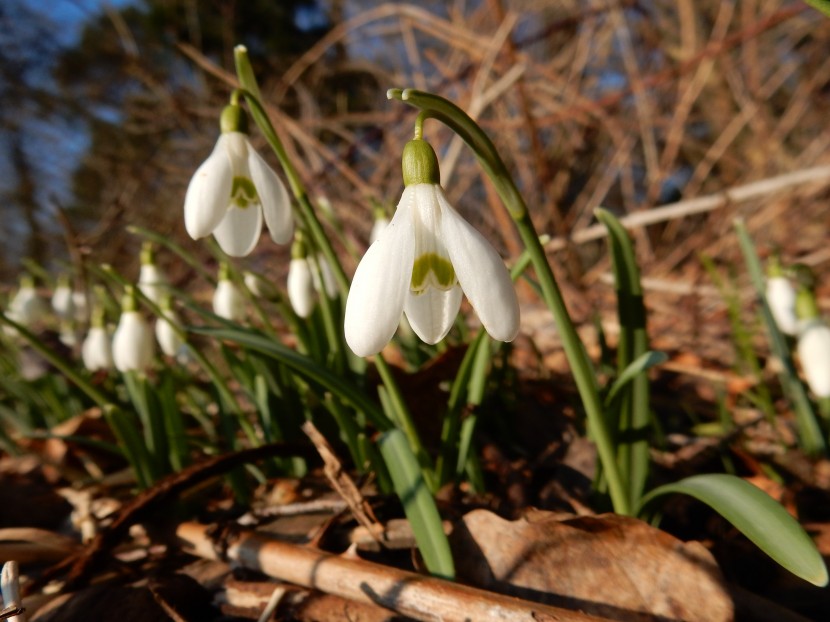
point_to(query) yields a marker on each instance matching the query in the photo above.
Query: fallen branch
(406, 593)
(681, 209)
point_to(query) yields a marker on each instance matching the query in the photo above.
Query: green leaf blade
(759, 517)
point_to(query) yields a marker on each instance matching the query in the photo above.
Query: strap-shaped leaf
(758, 516)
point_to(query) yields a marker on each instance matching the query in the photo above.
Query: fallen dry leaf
(606, 565)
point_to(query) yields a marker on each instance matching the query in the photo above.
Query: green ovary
(243, 192)
(443, 274)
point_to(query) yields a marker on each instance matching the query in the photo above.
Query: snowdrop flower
(780, 295)
(132, 343)
(233, 190)
(813, 344)
(328, 286)
(63, 301)
(421, 264)
(258, 285)
(168, 329)
(151, 280)
(96, 351)
(301, 286)
(228, 301)
(79, 304)
(26, 307)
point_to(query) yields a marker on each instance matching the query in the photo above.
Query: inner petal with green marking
(431, 269)
(243, 192)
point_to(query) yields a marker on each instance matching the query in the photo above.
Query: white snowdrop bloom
(257, 285)
(26, 307)
(228, 301)
(96, 351)
(80, 305)
(814, 354)
(301, 287)
(63, 301)
(780, 295)
(421, 264)
(132, 343)
(151, 280)
(233, 190)
(168, 330)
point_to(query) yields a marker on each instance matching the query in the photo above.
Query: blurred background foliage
(107, 108)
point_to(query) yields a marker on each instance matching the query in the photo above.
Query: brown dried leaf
(606, 565)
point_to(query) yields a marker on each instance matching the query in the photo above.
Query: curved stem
(488, 157)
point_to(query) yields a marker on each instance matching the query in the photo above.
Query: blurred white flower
(96, 351)
(814, 355)
(421, 264)
(781, 299)
(168, 332)
(151, 280)
(79, 303)
(228, 301)
(233, 190)
(63, 302)
(132, 343)
(26, 306)
(301, 287)
(329, 284)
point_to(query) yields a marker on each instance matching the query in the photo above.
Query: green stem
(489, 159)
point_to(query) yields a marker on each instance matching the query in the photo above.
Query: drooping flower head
(168, 328)
(26, 307)
(132, 343)
(780, 295)
(96, 351)
(300, 283)
(234, 189)
(151, 280)
(420, 265)
(813, 343)
(228, 301)
(62, 298)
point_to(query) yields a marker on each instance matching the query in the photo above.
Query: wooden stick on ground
(417, 596)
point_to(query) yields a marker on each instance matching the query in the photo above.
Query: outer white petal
(96, 351)
(239, 230)
(132, 343)
(300, 287)
(814, 354)
(276, 204)
(228, 301)
(781, 298)
(481, 273)
(432, 312)
(380, 284)
(209, 192)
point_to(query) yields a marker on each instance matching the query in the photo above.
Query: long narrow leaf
(758, 516)
(418, 503)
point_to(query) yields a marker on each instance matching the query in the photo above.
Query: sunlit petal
(132, 343)
(209, 193)
(481, 273)
(273, 196)
(431, 313)
(167, 333)
(239, 230)
(380, 285)
(228, 301)
(814, 355)
(96, 351)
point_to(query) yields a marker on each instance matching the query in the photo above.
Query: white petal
(276, 204)
(152, 282)
(62, 302)
(380, 284)
(300, 287)
(209, 192)
(432, 312)
(814, 354)
(481, 273)
(132, 343)
(239, 230)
